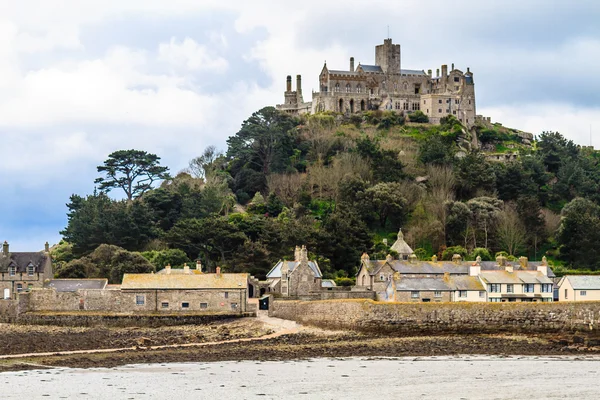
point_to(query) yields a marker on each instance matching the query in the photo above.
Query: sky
(81, 79)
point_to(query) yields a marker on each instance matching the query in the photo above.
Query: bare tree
(510, 230)
(204, 165)
(551, 220)
(286, 186)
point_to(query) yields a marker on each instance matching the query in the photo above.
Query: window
(348, 88)
(359, 89)
(566, 294)
(495, 288)
(185, 304)
(164, 304)
(234, 306)
(456, 79)
(381, 277)
(546, 288)
(455, 87)
(140, 299)
(416, 106)
(462, 293)
(481, 294)
(226, 295)
(19, 288)
(30, 270)
(440, 110)
(495, 299)
(12, 271)
(414, 295)
(405, 106)
(582, 293)
(454, 112)
(440, 101)
(337, 87)
(437, 294)
(203, 306)
(447, 111)
(528, 288)
(456, 101)
(448, 101)
(510, 288)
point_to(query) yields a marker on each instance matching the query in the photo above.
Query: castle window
(337, 87)
(185, 304)
(406, 106)
(469, 101)
(204, 306)
(416, 106)
(348, 88)
(405, 86)
(439, 110)
(417, 88)
(455, 87)
(164, 304)
(226, 295)
(447, 100)
(454, 112)
(358, 88)
(440, 101)
(456, 101)
(447, 111)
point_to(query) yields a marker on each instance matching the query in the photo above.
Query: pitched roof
(327, 283)
(466, 282)
(585, 282)
(21, 260)
(422, 284)
(178, 271)
(341, 72)
(412, 72)
(370, 68)
(400, 246)
(73, 285)
(514, 277)
(275, 272)
(180, 281)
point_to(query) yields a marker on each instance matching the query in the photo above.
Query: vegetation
(339, 186)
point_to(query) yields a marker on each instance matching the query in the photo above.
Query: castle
(386, 86)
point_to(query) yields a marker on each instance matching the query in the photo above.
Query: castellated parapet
(387, 86)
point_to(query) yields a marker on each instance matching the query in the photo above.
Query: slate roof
(179, 271)
(22, 259)
(327, 283)
(180, 281)
(400, 246)
(370, 68)
(275, 272)
(73, 285)
(466, 282)
(514, 277)
(340, 72)
(412, 72)
(584, 282)
(440, 284)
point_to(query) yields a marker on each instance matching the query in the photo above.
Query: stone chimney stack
(523, 261)
(186, 268)
(412, 258)
(5, 248)
(389, 258)
(429, 72)
(509, 268)
(288, 86)
(437, 73)
(299, 84)
(444, 74)
(303, 254)
(365, 257)
(218, 271)
(501, 260)
(198, 266)
(297, 253)
(434, 258)
(474, 269)
(168, 268)
(47, 247)
(351, 64)
(452, 67)
(456, 258)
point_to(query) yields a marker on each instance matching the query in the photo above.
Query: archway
(351, 106)
(341, 105)
(362, 105)
(363, 280)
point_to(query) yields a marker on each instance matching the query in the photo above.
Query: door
(6, 294)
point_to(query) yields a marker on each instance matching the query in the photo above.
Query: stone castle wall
(432, 318)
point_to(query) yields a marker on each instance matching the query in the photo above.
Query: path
(280, 326)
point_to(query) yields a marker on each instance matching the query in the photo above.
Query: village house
(579, 288)
(23, 271)
(299, 277)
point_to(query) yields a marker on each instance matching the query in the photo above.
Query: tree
(134, 171)
(387, 202)
(510, 231)
(484, 214)
(161, 258)
(437, 150)
(204, 166)
(474, 174)
(579, 234)
(418, 116)
(555, 150)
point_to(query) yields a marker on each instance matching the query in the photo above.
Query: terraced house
(23, 271)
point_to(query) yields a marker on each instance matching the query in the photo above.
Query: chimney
(351, 64)
(444, 73)
(468, 70)
(168, 268)
(47, 247)
(365, 257)
(297, 253)
(452, 67)
(298, 84)
(474, 269)
(412, 258)
(186, 268)
(5, 248)
(218, 271)
(303, 254)
(446, 276)
(509, 268)
(389, 258)
(544, 261)
(437, 72)
(429, 72)
(434, 258)
(501, 260)
(523, 261)
(456, 258)
(543, 269)
(198, 266)
(288, 87)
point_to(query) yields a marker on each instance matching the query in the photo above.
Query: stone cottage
(23, 271)
(300, 277)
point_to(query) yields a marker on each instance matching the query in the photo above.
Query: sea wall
(411, 318)
(9, 309)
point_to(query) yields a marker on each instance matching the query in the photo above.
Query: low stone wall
(116, 320)
(408, 318)
(8, 310)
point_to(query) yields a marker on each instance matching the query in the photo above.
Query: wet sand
(465, 377)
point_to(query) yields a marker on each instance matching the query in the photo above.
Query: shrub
(344, 281)
(481, 252)
(450, 251)
(418, 116)
(421, 254)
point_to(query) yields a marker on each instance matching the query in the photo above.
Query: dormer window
(12, 270)
(30, 270)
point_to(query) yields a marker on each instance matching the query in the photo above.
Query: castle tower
(387, 56)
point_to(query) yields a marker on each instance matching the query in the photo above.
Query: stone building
(456, 280)
(401, 247)
(300, 277)
(387, 86)
(22, 271)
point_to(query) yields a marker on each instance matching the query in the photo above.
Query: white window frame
(527, 286)
(437, 293)
(481, 293)
(30, 270)
(583, 293)
(12, 270)
(140, 299)
(510, 288)
(495, 288)
(414, 294)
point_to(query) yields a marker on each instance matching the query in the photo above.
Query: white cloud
(191, 55)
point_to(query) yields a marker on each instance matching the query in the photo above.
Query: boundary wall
(441, 318)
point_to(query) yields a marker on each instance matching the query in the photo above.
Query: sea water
(463, 377)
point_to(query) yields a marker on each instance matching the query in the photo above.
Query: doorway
(6, 294)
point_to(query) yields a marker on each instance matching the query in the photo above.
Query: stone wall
(113, 320)
(8, 310)
(419, 318)
(121, 301)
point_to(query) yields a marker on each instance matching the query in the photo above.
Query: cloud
(190, 55)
